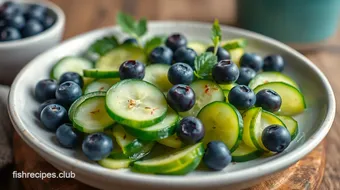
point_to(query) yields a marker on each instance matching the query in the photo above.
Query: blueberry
(9, 34)
(36, 12)
(273, 63)
(276, 138)
(246, 74)
(72, 76)
(46, 103)
(225, 72)
(251, 60)
(181, 98)
(3, 24)
(161, 54)
(32, 27)
(269, 100)
(9, 9)
(176, 41)
(66, 136)
(132, 69)
(48, 21)
(221, 53)
(16, 21)
(131, 41)
(242, 97)
(180, 73)
(190, 130)
(68, 92)
(53, 115)
(185, 55)
(97, 146)
(217, 155)
(45, 89)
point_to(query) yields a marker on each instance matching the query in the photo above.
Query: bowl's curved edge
(178, 181)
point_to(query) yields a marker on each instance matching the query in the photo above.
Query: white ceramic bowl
(16, 54)
(314, 123)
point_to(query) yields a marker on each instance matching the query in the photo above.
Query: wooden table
(86, 15)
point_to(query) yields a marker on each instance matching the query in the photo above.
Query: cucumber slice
(101, 73)
(226, 94)
(90, 115)
(223, 122)
(227, 86)
(172, 141)
(266, 77)
(172, 161)
(157, 74)
(185, 168)
(87, 81)
(199, 47)
(291, 124)
(206, 92)
(79, 101)
(114, 58)
(234, 43)
(115, 161)
(136, 103)
(293, 102)
(245, 153)
(262, 120)
(100, 85)
(160, 130)
(132, 147)
(70, 64)
(249, 117)
(236, 55)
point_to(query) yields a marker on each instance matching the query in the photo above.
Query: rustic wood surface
(86, 15)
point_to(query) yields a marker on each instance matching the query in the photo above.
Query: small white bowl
(314, 123)
(14, 55)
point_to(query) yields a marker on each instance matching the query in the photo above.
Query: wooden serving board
(305, 174)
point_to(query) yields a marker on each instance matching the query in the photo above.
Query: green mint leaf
(216, 34)
(141, 27)
(153, 43)
(204, 64)
(131, 26)
(104, 45)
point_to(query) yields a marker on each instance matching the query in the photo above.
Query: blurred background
(294, 22)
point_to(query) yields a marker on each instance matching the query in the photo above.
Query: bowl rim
(215, 179)
(60, 20)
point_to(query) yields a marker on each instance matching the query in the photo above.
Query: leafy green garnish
(104, 45)
(153, 43)
(216, 35)
(204, 64)
(131, 26)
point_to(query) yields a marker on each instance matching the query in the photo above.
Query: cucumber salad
(166, 105)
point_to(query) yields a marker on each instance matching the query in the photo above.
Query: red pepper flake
(101, 88)
(153, 110)
(206, 89)
(95, 111)
(124, 137)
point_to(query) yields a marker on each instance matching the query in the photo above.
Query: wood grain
(86, 15)
(305, 174)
